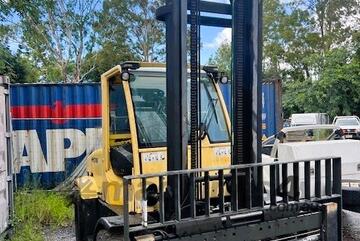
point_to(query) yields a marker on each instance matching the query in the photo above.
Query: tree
(57, 34)
(315, 52)
(222, 58)
(273, 46)
(136, 27)
(113, 40)
(146, 33)
(330, 18)
(336, 92)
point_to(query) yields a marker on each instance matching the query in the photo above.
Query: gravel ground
(61, 234)
(351, 223)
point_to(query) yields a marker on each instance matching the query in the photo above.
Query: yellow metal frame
(101, 182)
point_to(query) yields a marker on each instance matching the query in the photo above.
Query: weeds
(35, 210)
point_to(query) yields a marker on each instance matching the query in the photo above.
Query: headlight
(125, 76)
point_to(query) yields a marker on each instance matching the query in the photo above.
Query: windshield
(149, 98)
(309, 135)
(212, 116)
(347, 122)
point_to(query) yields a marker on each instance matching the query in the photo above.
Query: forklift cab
(134, 129)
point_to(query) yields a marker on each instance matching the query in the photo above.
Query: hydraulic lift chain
(194, 83)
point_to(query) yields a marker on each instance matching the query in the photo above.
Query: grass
(36, 210)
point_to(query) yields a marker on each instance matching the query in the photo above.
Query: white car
(350, 126)
(312, 143)
(302, 119)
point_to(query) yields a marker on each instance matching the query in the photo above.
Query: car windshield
(347, 122)
(309, 135)
(149, 98)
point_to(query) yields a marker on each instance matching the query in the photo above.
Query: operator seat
(121, 159)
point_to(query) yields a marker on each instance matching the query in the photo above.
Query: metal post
(246, 89)
(126, 209)
(328, 190)
(331, 222)
(221, 191)
(273, 186)
(337, 190)
(337, 176)
(284, 172)
(307, 180)
(318, 179)
(161, 199)
(176, 77)
(207, 193)
(174, 13)
(296, 181)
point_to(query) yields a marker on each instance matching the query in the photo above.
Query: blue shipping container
(55, 126)
(271, 105)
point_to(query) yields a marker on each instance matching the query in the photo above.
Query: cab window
(119, 122)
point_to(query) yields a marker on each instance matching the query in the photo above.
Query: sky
(212, 38)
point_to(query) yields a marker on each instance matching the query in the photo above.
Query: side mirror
(281, 136)
(214, 74)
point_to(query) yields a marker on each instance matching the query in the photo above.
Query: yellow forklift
(173, 168)
(134, 138)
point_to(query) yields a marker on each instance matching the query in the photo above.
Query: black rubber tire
(79, 229)
(104, 235)
(85, 217)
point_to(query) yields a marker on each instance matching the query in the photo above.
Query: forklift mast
(244, 17)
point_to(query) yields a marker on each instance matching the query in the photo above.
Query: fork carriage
(284, 215)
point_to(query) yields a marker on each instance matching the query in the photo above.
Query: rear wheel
(104, 235)
(86, 217)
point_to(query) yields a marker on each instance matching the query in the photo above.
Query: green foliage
(295, 96)
(222, 58)
(37, 209)
(337, 92)
(314, 50)
(18, 68)
(28, 232)
(135, 30)
(135, 34)
(56, 34)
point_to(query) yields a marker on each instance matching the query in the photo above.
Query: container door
(5, 184)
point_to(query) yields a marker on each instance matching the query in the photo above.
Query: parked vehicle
(350, 126)
(301, 134)
(309, 119)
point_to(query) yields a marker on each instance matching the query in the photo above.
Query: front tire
(86, 216)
